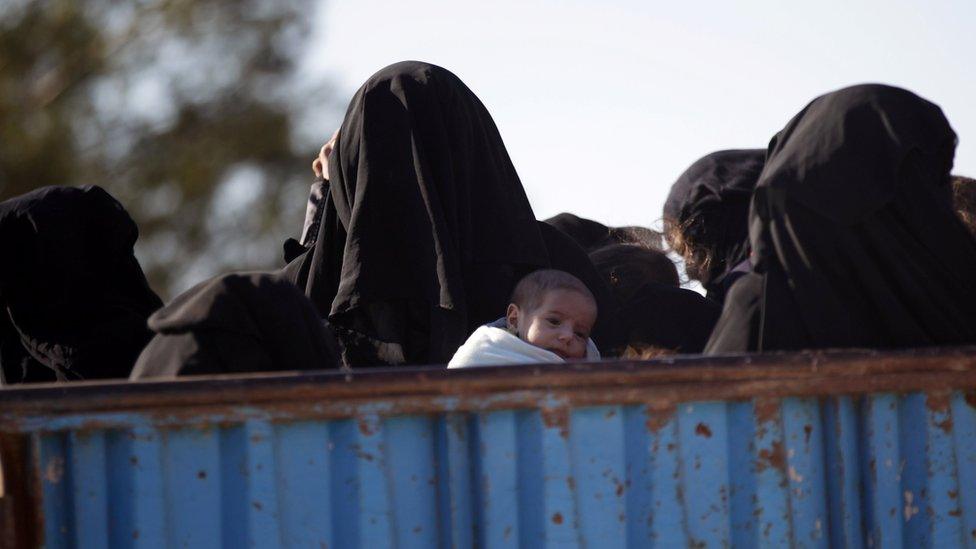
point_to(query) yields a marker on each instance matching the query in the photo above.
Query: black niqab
(710, 203)
(74, 298)
(236, 323)
(854, 238)
(426, 227)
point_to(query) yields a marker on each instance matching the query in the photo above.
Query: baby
(549, 320)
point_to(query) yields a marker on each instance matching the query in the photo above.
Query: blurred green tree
(190, 112)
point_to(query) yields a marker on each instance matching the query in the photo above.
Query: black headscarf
(592, 235)
(709, 203)
(854, 238)
(236, 323)
(426, 227)
(627, 267)
(74, 298)
(667, 318)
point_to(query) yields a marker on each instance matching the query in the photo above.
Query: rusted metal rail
(810, 449)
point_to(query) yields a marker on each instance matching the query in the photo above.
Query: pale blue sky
(636, 91)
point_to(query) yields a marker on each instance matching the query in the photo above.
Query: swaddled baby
(549, 320)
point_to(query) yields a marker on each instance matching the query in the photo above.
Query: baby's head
(553, 310)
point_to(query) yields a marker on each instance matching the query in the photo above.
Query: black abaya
(236, 323)
(854, 238)
(73, 298)
(426, 227)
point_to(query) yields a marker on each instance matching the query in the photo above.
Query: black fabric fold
(667, 318)
(426, 227)
(237, 323)
(853, 232)
(74, 298)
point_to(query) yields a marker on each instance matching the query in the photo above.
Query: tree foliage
(188, 111)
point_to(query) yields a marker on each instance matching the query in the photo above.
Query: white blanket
(489, 346)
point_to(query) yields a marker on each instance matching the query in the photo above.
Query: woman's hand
(321, 164)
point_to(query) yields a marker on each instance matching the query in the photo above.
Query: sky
(603, 104)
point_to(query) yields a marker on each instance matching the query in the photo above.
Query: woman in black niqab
(706, 216)
(855, 242)
(426, 227)
(73, 298)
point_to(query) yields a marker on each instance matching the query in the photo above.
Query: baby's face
(561, 323)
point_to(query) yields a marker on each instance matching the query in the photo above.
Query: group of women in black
(842, 233)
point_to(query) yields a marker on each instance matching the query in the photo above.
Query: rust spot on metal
(620, 489)
(571, 483)
(201, 474)
(702, 430)
(955, 512)
(364, 427)
(257, 505)
(557, 518)
(945, 425)
(807, 429)
(417, 529)
(557, 418)
(937, 401)
(774, 456)
(970, 398)
(953, 494)
(135, 534)
(766, 409)
(507, 533)
(658, 417)
(610, 413)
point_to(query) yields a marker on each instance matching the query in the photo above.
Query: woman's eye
(553, 321)
(580, 335)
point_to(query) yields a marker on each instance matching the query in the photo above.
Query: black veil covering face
(74, 298)
(854, 238)
(426, 227)
(709, 205)
(236, 323)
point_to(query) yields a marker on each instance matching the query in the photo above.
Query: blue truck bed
(809, 450)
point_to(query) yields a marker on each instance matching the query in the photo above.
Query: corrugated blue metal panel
(882, 470)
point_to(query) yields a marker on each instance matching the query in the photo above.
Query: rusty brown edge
(435, 389)
(21, 515)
